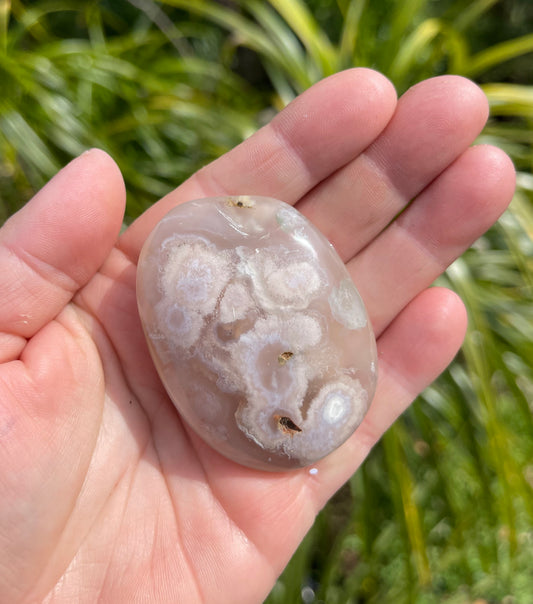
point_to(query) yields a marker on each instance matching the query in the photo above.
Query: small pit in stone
(286, 425)
(284, 357)
(275, 376)
(240, 202)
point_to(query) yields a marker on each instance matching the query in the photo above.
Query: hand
(105, 495)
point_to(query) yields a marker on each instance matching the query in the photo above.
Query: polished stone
(256, 329)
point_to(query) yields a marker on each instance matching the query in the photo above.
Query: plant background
(442, 510)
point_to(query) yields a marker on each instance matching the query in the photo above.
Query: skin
(105, 495)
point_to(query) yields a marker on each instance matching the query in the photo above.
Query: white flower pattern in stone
(346, 305)
(194, 275)
(282, 279)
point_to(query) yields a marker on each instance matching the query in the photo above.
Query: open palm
(105, 495)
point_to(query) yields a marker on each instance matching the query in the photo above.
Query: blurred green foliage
(442, 511)
(81, 74)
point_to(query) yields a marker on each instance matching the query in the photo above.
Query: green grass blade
(165, 25)
(482, 359)
(510, 99)
(499, 53)
(405, 15)
(402, 19)
(302, 22)
(286, 89)
(245, 30)
(248, 33)
(28, 144)
(470, 12)
(413, 47)
(406, 506)
(350, 33)
(5, 9)
(32, 18)
(289, 47)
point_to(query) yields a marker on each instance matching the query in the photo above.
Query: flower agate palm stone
(256, 330)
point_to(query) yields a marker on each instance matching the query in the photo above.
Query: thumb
(55, 243)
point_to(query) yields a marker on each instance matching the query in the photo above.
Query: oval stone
(256, 330)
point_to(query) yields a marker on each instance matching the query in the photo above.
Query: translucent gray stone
(256, 329)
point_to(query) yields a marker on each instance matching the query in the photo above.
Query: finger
(319, 132)
(412, 352)
(53, 245)
(434, 122)
(458, 207)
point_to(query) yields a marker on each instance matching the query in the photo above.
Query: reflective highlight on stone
(256, 329)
